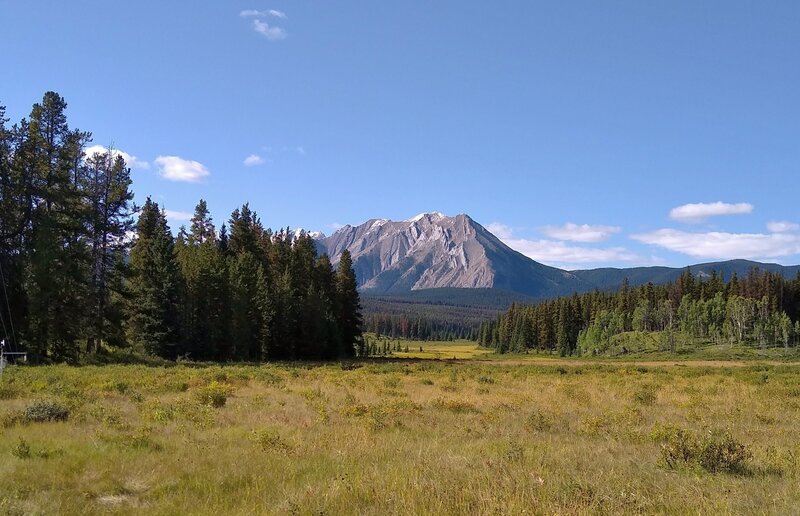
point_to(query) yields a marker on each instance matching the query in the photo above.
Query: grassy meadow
(400, 436)
(441, 350)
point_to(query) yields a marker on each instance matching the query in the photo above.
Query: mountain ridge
(433, 251)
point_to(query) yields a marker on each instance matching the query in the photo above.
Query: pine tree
(110, 220)
(155, 285)
(59, 261)
(325, 283)
(246, 318)
(15, 213)
(348, 314)
(205, 301)
(245, 231)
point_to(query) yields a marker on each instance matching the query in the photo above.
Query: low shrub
(392, 382)
(662, 432)
(119, 386)
(716, 452)
(723, 453)
(141, 439)
(645, 395)
(214, 394)
(21, 450)
(8, 391)
(457, 406)
(46, 410)
(538, 421)
(11, 418)
(513, 451)
(269, 440)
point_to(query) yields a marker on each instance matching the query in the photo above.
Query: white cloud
(300, 150)
(554, 252)
(720, 245)
(253, 160)
(782, 226)
(698, 212)
(175, 168)
(499, 230)
(254, 13)
(130, 160)
(559, 254)
(269, 32)
(178, 215)
(336, 226)
(581, 233)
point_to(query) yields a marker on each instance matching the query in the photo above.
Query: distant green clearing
(424, 349)
(629, 346)
(460, 349)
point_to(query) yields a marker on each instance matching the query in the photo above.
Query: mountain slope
(435, 251)
(611, 278)
(456, 257)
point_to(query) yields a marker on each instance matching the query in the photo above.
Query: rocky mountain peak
(432, 250)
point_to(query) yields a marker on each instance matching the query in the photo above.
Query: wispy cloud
(554, 252)
(559, 253)
(255, 13)
(268, 31)
(178, 215)
(499, 230)
(782, 226)
(699, 212)
(300, 150)
(175, 168)
(130, 160)
(253, 160)
(581, 232)
(720, 245)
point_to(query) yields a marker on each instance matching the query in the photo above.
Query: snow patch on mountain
(433, 214)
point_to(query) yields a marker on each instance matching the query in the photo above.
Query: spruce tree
(155, 285)
(348, 306)
(110, 220)
(59, 260)
(15, 212)
(246, 318)
(205, 314)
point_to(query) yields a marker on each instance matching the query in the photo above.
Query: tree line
(82, 275)
(418, 327)
(761, 309)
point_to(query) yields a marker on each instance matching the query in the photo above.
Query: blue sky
(578, 131)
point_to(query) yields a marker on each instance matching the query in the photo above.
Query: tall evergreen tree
(246, 301)
(155, 285)
(205, 307)
(110, 221)
(58, 267)
(15, 213)
(348, 306)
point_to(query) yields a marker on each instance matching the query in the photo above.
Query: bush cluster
(214, 394)
(715, 452)
(45, 410)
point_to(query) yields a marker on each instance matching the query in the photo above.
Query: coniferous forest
(762, 309)
(85, 271)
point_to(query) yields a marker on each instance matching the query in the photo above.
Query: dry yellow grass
(394, 437)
